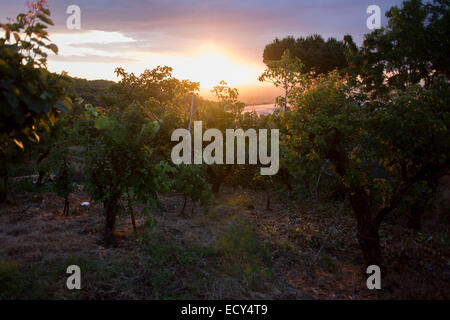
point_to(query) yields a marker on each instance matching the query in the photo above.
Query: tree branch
(395, 201)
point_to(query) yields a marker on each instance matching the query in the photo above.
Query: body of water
(261, 108)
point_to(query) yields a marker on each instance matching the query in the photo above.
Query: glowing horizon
(208, 64)
(203, 41)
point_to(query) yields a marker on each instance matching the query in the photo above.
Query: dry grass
(234, 250)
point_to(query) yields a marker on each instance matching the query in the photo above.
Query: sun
(211, 64)
(207, 63)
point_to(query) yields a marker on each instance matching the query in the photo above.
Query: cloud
(90, 58)
(152, 43)
(139, 34)
(242, 25)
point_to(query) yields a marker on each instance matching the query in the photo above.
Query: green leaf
(53, 47)
(104, 123)
(45, 19)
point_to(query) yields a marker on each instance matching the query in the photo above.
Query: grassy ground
(234, 250)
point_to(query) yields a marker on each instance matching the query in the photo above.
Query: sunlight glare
(210, 65)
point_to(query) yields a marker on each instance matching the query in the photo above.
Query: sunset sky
(203, 40)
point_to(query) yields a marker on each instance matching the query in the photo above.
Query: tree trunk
(216, 176)
(66, 206)
(184, 206)
(133, 221)
(268, 200)
(285, 99)
(216, 187)
(40, 178)
(111, 210)
(41, 172)
(3, 186)
(415, 217)
(3, 177)
(368, 237)
(192, 209)
(369, 241)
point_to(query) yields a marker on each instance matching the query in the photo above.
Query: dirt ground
(235, 249)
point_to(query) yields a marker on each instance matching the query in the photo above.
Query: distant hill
(91, 90)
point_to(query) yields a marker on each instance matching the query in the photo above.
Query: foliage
(30, 95)
(225, 114)
(317, 55)
(158, 84)
(120, 162)
(189, 181)
(373, 119)
(411, 49)
(372, 147)
(228, 98)
(59, 159)
(284, 73)
(362, 129)
(94, 92)
(163, 96)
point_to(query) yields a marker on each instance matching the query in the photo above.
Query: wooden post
(190, 126)
(192, 113)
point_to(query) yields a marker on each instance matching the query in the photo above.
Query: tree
(163, 96)
(228, 97)
(30, 96)
(190, 183)
(63, 184)
(119, 162)
(221, 115)
(284, 73)
(155, 84)
(317, 55)
(54, 157)
(410, 49)
(373, 147)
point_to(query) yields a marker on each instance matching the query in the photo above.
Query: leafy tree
(164, 97)
(228, 97)
(373, 148)
(190, 183)
(155, 84)
(30, 96)
(225, 114)
(266, 184)
(63, 184)
(410, 49)
(317, 55)
(284, 73)
(55, 142)
(56, 157)
(120, 163)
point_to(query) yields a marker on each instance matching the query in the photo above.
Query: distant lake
(261, 108)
